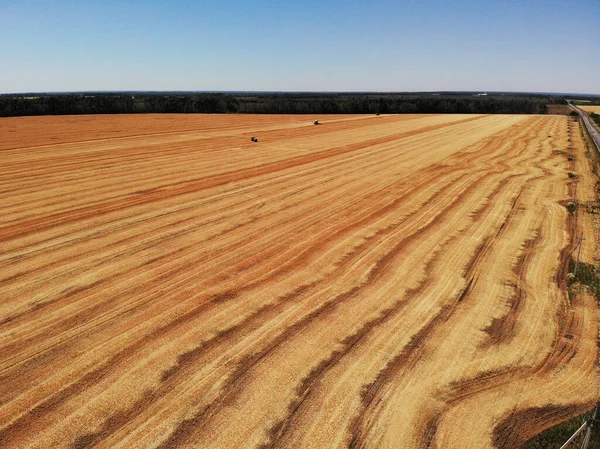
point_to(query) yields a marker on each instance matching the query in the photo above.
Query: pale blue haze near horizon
(383, 46)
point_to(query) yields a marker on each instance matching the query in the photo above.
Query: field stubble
(372, 282)
(595, 109)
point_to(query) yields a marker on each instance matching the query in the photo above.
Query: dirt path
(392, 281)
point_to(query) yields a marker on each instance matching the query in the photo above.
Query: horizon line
(358, 92)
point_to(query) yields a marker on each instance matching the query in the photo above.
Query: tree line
(107, 103)
(392, 104)
(272, 103)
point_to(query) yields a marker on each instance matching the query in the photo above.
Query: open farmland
(373, 282)
(595, 109)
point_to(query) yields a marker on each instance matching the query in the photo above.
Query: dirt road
(372, 282)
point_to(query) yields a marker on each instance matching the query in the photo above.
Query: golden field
(372, 282)
(595, 109)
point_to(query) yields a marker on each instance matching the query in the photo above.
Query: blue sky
(381, 45)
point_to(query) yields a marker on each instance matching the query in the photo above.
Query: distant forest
(277, 103)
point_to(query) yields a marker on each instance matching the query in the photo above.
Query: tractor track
(165, 308)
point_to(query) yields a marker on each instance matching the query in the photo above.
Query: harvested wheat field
(595, 109)
(372, 282)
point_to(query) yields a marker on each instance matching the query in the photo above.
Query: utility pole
(577, 432)
(581, 239)
(588, 434)
(589, 424)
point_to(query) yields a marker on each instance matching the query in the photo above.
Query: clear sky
(291, 45)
